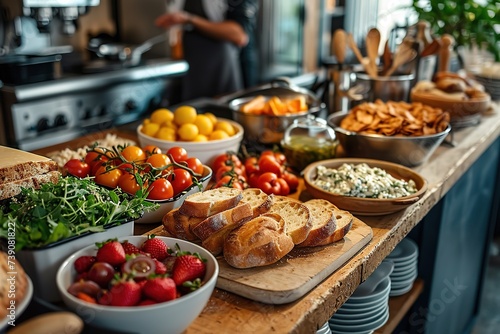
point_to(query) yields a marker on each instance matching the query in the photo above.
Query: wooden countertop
(227, 312)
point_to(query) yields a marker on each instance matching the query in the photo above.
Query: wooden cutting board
(297, 273)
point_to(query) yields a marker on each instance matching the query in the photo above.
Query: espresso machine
(53, 89)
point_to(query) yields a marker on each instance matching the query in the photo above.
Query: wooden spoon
(386, 57)
(372, 46)
(363, 60)
(431, 48)
(447, 42)
(339, 44)
(402, 56)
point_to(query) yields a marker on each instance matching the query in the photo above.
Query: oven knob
(60, 120)
(42, 124)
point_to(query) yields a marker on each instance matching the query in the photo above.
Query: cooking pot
(269, 129)
(126, 53)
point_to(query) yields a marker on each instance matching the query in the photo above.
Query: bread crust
(259, 242)
(209, 202)
(17, 165)
(258, 199)
(297, 218)
(179, 225)
(324, 221)
(14, 188)
(344, 225)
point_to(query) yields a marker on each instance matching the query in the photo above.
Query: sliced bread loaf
(297, 218)
(344, 224)
(259, 242)
(324, 222)
(13, 188)
(259, 200)
(210, 202)
(179, 225)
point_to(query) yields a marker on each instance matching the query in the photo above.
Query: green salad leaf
(70, 207)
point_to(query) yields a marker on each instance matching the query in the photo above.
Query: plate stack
(367, 309)
(325, 329)
(405, 259)
(491, 85)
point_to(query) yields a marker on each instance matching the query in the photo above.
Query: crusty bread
(13, 188)
(324, 222)
(17, 165)
(280, 198)
(259, 200)
(259, 242)
(344, 224)
(17, 272)
(223, 220)
(297, 218)
(179, 225)
(210, 202)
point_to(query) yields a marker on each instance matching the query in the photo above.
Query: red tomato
(270, 183)
(279, 156)
(77, 167)
(252, 165)
(226, 159)
(229, 170)
(160, 189)
(128, 183)
(180, 180)
(93, 157)
(177, 153)
(151, 149)
(195, 165)
(291, 179)
(108, 178)
(158, 160)
(268, 163)
(252, 180)
(133, 153)
(230, 182)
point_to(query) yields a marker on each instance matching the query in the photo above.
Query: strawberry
(111, 251)
(83, 263)
(104, 299)
(146, 302)
(155, 247)
(188, 267)
(160, 289)
(130, 248)
(161, 269)
(125, 293)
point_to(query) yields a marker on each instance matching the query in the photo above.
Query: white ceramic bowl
(205, 151)
(168, 317)
(170, 204)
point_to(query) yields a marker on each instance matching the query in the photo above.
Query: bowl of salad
(365, 186)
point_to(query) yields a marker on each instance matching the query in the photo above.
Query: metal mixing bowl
(407, 151)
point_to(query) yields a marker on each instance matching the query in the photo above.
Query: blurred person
(212, 38)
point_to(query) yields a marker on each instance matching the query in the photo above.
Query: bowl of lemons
(203, 135)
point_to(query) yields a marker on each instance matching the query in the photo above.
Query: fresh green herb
(68, 208)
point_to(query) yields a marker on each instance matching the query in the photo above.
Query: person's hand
(170, 19)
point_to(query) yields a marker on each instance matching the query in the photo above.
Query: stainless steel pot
(268, 129)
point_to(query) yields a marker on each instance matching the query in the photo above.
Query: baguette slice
(213, 230)
(14, 188)
(259, 242)
(297, 218)
(259, 200)
(179, 225)
(18, 165)
(324, 222)
(344, 225)
(210, 202)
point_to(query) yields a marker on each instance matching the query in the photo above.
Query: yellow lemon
(200, 138)
(162, 115)
(170, 124)
(218, 134)
(146, 121)
(212, 117)
(150, 129)
(225, 126)
(166, 134)
(188, 132)
(184, 115)
(204, 124)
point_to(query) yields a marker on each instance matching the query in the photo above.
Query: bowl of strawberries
(139, 284)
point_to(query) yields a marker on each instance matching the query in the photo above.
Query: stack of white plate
(325, 329)
(405, 259)
(491, 85)
(367, 309)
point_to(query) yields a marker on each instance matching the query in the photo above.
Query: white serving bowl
(205, 151)
(173, 203)
(168, 317)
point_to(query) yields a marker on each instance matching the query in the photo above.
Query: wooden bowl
(366, 206)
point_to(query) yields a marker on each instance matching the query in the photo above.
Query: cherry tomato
(195, 165)
(133, 153)
(291, 179)
(93, 157)
(180, 180)
(226, 159)
(125, 167)
(108, 178)
(230, 182)
(160, 189)
(151, 149)
(252, 180)
(270, 183)
(268, 163)
(252, 165)
(279, 156)
(128, 183)
(178, 153)
(229, 170)
(77, 167)
(158, 161)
